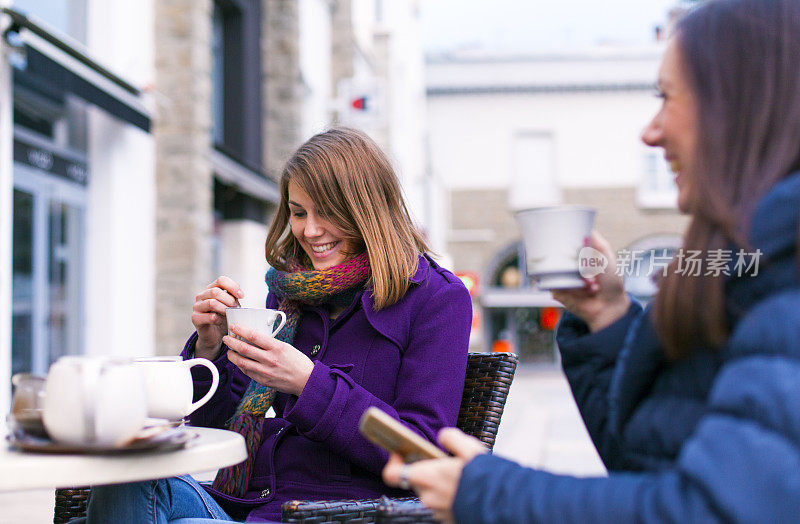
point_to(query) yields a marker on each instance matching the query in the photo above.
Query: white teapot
(94, 401)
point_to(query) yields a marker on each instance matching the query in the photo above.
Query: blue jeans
(177, 499)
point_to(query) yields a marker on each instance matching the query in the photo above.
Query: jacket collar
(422, 269)
(394, 321)
(774, 231)
(776, 220)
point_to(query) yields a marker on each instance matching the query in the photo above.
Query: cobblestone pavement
(541, 427)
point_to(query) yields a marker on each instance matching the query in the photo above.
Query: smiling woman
(674, 127)
(371, 320)
(342, 186)
(323, 242)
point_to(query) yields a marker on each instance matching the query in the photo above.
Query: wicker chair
(486, 388)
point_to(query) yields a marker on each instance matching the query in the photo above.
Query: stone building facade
(156, 168)
(215, 199)
(191, 183)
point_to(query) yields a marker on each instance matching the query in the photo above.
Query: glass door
(22, 301)
(48, 246)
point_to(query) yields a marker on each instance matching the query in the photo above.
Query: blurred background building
(141, 144)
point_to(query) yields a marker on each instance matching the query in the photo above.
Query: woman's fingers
(435, 481)
(218, 294)
(257, 338)
(211, 305)
(204, 319)
(599, 242)
(460, 444)
(244, 349)
(391, 472)
(229, 285)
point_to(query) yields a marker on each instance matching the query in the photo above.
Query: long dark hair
(352, 183)
(742, 59)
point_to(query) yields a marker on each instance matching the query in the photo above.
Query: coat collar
(774, 226)
(394, 322)
(774, 232)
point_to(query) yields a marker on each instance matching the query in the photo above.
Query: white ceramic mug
(553, 238)
(259, 319)
(169, 387)
(94, 401)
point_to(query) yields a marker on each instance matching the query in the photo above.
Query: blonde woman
(372, 321)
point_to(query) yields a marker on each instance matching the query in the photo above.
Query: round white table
(212, 449)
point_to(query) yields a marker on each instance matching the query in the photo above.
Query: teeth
(675, 166)
(323, 248)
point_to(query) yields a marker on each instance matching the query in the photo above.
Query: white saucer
(555, 281)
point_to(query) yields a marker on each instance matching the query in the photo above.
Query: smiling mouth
(323, 247)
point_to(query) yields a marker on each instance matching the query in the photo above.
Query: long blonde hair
(352, 184)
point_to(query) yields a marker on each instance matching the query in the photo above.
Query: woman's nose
(313, 227)
(651, 134)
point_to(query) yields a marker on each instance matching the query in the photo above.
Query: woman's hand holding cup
(208, 315)
(268, 361)
(603, 300)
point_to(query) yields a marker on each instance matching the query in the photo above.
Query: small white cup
(258, 319)
(553, 238)
(94, 401)
(169, 387)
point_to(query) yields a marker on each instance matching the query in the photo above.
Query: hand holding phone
(387, 432)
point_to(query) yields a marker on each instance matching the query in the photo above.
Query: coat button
(265, 493)
(315, 350)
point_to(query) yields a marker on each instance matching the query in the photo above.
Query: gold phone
(387, 432)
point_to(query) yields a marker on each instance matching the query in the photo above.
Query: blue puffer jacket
(716, 436)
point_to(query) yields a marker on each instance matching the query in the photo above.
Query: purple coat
(409, 359)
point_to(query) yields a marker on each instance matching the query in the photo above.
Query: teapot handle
(214, 381)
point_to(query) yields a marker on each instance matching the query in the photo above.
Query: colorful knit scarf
(336, 286)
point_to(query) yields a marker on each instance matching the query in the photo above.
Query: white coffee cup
(94, 401)
(258, 319)
(169, 387)
(553, 238)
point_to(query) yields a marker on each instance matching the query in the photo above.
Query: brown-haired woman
(698, 394)
(372, 320)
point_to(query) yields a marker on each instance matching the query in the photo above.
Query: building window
(657, 189)
(65, 16)
(236, 81)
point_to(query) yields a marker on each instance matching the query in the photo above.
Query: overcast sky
(518, 26)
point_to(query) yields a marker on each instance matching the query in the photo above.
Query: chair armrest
(333, 511)
(403, 511)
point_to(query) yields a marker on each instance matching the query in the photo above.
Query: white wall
(406, 95)
(315, 65)
(595, 136)
(120, 263)
(242, 258)
(594, 66)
